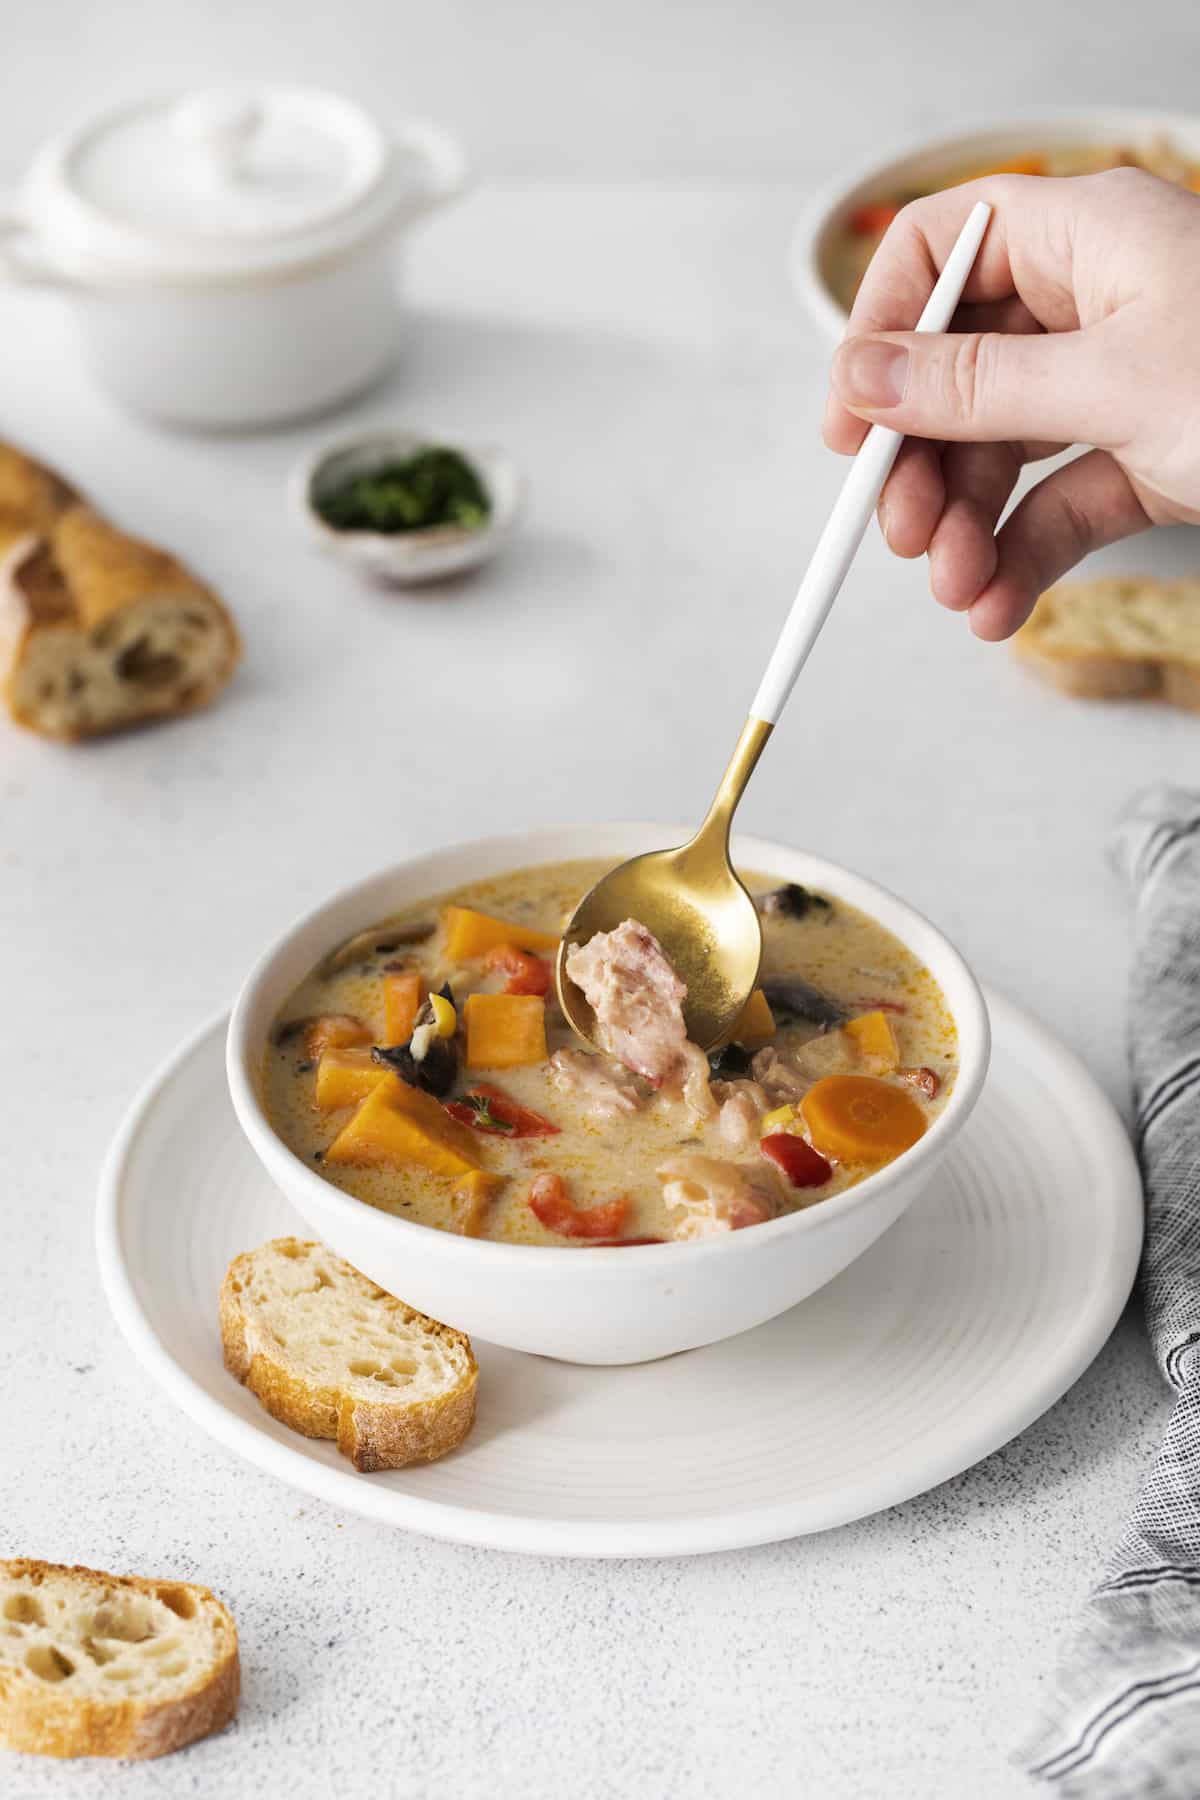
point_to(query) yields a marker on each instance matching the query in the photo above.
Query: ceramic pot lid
(220, 183)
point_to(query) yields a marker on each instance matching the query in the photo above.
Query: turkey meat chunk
(637, 1000)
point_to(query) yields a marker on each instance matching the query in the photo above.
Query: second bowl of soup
(400, 1064)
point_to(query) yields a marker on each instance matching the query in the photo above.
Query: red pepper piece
(888, 1006)
(527, 974)
(873, 219)
(803, 1166)
(921, 1078)
(550, 1204)
(498, 1114)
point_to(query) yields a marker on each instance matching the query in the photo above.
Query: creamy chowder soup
(425, 1068)
(864, 229)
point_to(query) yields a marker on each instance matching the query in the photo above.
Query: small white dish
(926, 160)
(954, 1332)
(605, 1305)
(408, 558)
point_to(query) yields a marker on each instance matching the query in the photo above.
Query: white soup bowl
(603, 1305)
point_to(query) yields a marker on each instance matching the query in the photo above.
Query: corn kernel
(445, 1019)
(779, 1120)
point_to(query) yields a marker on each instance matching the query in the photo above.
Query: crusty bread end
(98, 630)
(110, 1665)
(331, 1355)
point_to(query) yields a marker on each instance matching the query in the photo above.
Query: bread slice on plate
(110, 1665)
(1118, 639)
(333, 1356)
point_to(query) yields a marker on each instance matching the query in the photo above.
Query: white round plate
(954, 1332)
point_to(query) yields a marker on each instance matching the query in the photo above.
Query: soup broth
(840, 997)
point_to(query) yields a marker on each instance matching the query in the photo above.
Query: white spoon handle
(858, 499)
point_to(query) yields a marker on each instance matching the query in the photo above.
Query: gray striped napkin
(1122, 1720)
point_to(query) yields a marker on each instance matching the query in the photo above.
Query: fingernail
(870, 372)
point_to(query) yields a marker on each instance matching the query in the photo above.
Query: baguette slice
(110, 1665)
(332, 1356)
(1118, 639)
(98, 630)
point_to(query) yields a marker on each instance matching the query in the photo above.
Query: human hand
(1077, 327)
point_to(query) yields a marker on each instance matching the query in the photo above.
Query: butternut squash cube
(756, 1026)
(333, 1031)
(470, 934)
(471, 1197)
(401, 1125)
(344, 1077)
(401, 1004)
(872, 1036)
(505, 1030)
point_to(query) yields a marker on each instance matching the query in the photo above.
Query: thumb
(983, 385)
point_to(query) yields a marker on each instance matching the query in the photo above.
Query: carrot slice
(550, 1204)
(858, 1118)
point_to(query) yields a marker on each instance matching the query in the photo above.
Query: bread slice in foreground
(110, 1665)
(331, 1355)
(1118, 639)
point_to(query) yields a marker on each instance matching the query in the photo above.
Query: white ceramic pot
(230, 256)
(925, 161)
(596, 1305)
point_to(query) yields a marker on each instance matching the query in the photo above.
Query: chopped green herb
(485, 1118)
(434, 487)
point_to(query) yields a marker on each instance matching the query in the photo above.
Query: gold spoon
(691, 897)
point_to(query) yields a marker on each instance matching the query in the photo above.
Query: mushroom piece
(380, 940)
(792, 1000)
(791, 901)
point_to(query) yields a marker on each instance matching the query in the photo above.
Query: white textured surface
(640, 355)
(674, 88)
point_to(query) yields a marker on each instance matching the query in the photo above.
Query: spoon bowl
(694, 903)
(705, 920)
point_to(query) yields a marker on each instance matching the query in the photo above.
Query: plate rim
(600, 1538)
